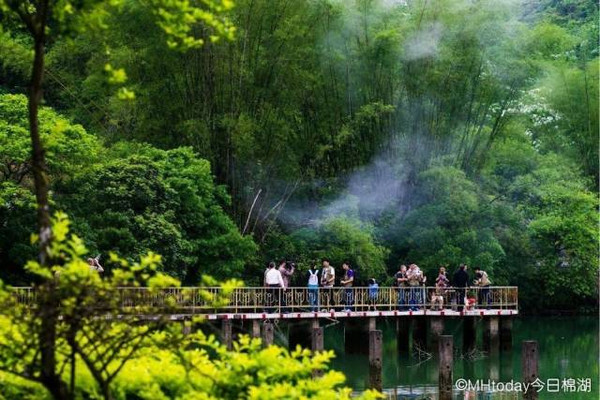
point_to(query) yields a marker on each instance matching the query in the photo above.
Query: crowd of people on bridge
(410, 284)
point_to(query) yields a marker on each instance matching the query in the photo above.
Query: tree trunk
(48, 304)
(38, 163)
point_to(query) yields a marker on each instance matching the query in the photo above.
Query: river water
(568, 349)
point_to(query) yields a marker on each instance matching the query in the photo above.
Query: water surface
(568, 348)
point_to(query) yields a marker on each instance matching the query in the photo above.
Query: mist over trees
(382, 132)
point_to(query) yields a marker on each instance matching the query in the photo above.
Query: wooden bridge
(302, 302)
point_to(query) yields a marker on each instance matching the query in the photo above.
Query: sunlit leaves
(178, 19)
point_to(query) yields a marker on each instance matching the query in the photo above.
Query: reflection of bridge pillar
(506, 324)
(267, 333)
(402, 334)
(469, 334)
(375, 359)
(255, 328)
(227, 333)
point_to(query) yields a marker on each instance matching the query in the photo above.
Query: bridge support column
(403, 334)
(445, 350)
(186, 327)
(255, 328)
(436, 326)
(317, 338)
(227, 333)
(469, 334)
(267, 333)
(529, 366)
(372, 323)
(491, 335)
(375, 361)
(506, 324)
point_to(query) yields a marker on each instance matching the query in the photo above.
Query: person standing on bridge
(347, 282)
(327, 281)
(94, 264)
(313, 287)
(401, 282)
(415, 278)
(437, 300)
(460, 281)
(286, 270)
(274, 283)
(483, 281)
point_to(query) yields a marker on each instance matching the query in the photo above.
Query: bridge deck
(355, 314)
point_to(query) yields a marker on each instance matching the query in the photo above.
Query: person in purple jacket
(347, 282)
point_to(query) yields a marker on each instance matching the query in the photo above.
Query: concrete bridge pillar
(529, 366)
(446, 353)
(372, 324)
(227, 333)
(186, 327)
(255, 328)
(375, 359)
(267, 333)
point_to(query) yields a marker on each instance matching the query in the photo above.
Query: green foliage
(343, 239)
(163, 201)
(70, 151)
(125, 357)
(469, 102)
(452, 222)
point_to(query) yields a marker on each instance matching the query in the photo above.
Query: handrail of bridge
(202, 300)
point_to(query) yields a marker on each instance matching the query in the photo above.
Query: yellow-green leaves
(180, 18)
(115, 75)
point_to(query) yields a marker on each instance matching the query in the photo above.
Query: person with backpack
(373, 293)
(313, 287)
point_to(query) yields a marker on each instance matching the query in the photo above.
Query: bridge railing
(212, 300)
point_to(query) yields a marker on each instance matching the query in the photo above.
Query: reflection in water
(568, 349)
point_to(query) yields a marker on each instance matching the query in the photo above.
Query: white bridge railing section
(212, 300)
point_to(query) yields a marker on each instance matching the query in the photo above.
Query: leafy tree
(70, 151)
(343, 239)
(452, 222)
(160, 200)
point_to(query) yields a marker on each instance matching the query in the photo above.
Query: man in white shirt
(273, 282)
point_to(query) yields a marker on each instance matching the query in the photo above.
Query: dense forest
(382, 132)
